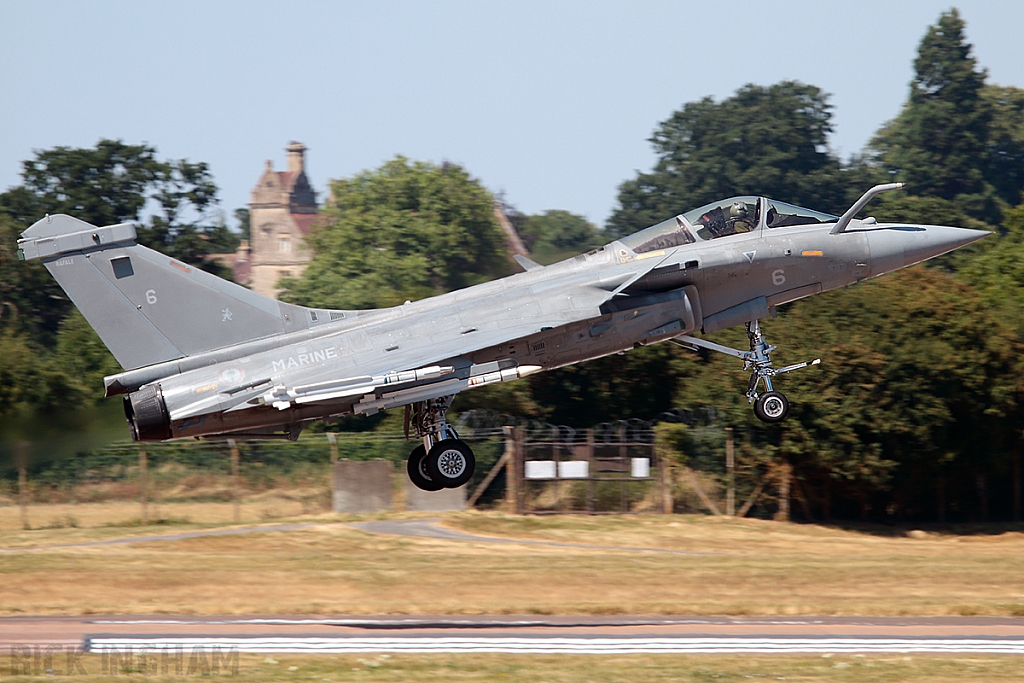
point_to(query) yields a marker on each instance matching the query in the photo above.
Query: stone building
(281, 211)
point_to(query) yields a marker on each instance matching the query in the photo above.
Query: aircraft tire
(418, 471)
(450, 462)
(771, 407)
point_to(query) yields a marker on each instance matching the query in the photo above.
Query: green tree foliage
(31, 302)
(108, 184)
(242, 216)
(940, 139)
(1006, 141)
(917, 382)
(83, 356)
(402, 232)
(29, 381)
(998, 273)
(113, 183)
(555, 235)
(105, 185)
(186, 228)
(771, 141)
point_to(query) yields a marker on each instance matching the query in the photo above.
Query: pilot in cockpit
(740, 219)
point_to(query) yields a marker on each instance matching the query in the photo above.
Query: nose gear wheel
(772, 406)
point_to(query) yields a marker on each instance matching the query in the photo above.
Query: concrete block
(417, 500)
(362, 486)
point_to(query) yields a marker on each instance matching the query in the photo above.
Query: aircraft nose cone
(934, 240)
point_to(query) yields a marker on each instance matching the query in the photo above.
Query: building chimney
(296, 157)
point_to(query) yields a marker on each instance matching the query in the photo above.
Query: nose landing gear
(444, 460)
(772, 406)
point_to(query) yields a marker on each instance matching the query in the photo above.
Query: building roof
(305, 221)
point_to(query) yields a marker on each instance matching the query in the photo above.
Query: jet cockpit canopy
(726, 217)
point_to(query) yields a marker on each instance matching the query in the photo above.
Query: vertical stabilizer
(145, 306)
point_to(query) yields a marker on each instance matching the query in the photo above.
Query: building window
(284, 245)
(284, 273)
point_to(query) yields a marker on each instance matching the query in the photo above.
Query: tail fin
(145, 306)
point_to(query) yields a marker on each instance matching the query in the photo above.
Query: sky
(550, 103)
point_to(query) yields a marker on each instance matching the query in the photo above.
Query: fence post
(510, 468)
(730, 475)
(663, 483)
(234, 478)
(590, 471)
(519, 470)
(144, 485)
(1017, 486)
(23, 496)
(556, 455)
(332, 439)
(623, 455)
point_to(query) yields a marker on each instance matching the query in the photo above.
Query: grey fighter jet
(208, 358)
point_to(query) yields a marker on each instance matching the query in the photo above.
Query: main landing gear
(444, 460)
(772, 405)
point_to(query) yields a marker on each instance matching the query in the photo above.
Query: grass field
(569, 669)
(740, 567)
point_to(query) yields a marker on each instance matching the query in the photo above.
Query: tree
(769, 141)
(404, 231)
(556, 234)
(32, 304)
(242, 216)
(938, 143)
(112, 183)
(998, 273)
(1006, 142)
(105, 185)
(917, 386)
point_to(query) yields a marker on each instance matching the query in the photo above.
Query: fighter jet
(204, 357)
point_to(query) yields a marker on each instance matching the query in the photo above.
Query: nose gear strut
(771, 406)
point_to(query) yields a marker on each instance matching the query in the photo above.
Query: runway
(516, 635)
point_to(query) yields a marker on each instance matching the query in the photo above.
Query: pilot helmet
(738, 210)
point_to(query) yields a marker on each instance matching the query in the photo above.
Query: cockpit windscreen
(781, 215)
(664, 235)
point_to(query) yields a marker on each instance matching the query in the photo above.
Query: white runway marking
(554, 645)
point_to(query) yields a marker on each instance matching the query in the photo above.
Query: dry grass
(256, 508)
(571, 669)
(750, 567)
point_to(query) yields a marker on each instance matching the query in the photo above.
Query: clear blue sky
(550, 102)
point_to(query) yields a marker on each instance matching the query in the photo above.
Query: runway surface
(523, 635)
